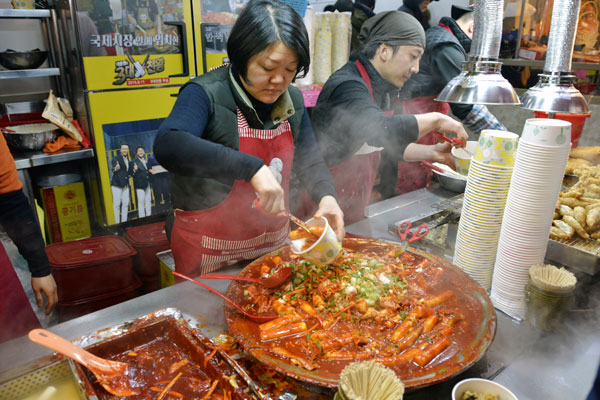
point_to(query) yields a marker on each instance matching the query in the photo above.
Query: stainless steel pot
(30, 136)
(450, 183)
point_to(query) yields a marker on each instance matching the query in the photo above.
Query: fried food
(591, 154)
(577, 226)
(556, 233)
(564, 209)
(576, 163)
(566, 229)
(592, 219)
(579, 213)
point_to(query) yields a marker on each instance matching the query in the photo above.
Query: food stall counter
(532, 364)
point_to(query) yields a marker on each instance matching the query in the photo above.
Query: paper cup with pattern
(547, 132)
(462, 158)
(496, 148)
(324, 250)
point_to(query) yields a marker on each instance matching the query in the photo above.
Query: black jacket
(444, 54)
(141, 176)
(119, 178)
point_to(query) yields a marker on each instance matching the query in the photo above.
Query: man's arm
(19, 222)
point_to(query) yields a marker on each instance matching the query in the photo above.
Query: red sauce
(466, 317)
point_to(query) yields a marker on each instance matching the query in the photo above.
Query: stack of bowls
(539, 168)
(488, 181)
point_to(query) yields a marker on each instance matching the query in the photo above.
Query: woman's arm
(180, 148)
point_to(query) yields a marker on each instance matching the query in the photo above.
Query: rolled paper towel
(341, 30)
(323, 43)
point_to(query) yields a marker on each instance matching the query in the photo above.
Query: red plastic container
(577, 122)
(91, 267)
(150, 284)
(147, 240)
(72, 309)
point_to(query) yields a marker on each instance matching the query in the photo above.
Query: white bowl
(483, 386)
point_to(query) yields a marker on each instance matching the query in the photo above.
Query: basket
(298, 5)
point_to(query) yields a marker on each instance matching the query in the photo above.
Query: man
(119, 184)
(355, 108)
(418, 9)
(18, 220)
(362, 11)
(447, 47)
(141, 182)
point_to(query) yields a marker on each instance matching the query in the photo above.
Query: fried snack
(571, 202)
(579, 213)
(565, 231)
(595, 235)
(592, 219)
(576, 163)
(573, 192)
(591, 154)
(577, 226)
(564, 209)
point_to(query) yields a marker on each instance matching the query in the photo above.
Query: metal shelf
(9, 13)
(37, 158)
(29, 73)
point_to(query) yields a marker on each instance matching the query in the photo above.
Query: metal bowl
(22, 59)
(453, 184)
(30, 136)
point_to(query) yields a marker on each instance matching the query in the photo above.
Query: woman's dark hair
(262, 23)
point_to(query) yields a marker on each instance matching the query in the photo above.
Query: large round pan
(468, 346)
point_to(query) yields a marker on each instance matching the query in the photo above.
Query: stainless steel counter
(533, 365)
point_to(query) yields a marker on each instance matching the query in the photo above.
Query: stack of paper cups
(483, 206)
(537, 178)
(323, 42)
(342, 30)
(309, 22)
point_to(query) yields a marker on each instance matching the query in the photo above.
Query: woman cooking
(234, 136)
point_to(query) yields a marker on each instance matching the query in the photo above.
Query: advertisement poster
(140, 187)
(129, 27)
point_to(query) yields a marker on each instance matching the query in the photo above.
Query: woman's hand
(45, 286)
(270, 193)
(330, 209)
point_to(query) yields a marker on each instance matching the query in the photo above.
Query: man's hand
(441, 153)
(270, 192)
(448, 124)
(330, 209)
(117, 167)
(45, 286)
(441, 123)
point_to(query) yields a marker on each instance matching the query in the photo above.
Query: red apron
(412, 175)
(205, 240)
(354, 178)
(16, 315)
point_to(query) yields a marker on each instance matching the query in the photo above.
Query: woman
(232, 138)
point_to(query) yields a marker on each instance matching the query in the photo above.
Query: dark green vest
(194, 193)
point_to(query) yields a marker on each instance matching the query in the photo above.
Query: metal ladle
(256, 318)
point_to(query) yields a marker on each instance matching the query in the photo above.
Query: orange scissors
(404, 232)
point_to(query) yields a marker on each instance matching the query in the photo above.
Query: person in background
(138, 169)
(355, 107)
(448, 45)
(340, 5)
(161, 185)
(418, 9)
(231, 135)
(119, 184)
(18, 220)
(362, 11)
